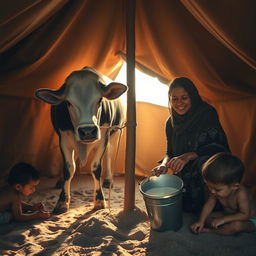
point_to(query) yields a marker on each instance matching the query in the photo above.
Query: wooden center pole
(129, 191)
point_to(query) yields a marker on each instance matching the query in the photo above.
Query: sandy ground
(111, 231)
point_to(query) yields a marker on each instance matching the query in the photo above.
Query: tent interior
(42, 42)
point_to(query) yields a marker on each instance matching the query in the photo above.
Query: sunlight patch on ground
(148, 88)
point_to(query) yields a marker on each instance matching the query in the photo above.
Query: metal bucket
(163, 200)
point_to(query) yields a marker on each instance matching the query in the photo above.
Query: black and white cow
(85, 112)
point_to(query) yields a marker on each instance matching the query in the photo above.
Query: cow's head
(83, 91)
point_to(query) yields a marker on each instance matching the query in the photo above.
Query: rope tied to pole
(117, 152)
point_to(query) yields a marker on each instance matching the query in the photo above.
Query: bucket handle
(148, 179)
(145, 180)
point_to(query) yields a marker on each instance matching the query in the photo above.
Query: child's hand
(44, 215)
(38, 207)
(216, 222)
(197, 227)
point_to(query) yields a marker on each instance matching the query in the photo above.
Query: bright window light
(148, 89)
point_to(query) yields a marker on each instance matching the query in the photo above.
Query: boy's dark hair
(22, 173)
(223, 168)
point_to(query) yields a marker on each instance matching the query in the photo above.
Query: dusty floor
(82, 231)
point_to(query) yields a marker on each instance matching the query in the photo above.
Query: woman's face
(180, 101)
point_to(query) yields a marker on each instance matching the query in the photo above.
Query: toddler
(22, 180)
(223, 173)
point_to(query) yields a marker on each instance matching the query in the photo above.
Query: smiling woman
(148, 89)
(193, 133)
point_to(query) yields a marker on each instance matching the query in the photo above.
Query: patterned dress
(197, 131)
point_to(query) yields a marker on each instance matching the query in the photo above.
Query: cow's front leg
(96, 167)
(68, 173)
(98, 195)
(108, 177)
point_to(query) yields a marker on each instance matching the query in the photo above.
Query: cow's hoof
(61, 208)
(107, 184)
(59, 184)
(99, 205)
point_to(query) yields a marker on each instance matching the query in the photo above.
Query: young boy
(223, 173)
(22, 179)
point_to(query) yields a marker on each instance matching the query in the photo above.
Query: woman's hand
(176, 164)
(160, 169)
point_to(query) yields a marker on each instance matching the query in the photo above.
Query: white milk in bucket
(163, 199)
(162, 191)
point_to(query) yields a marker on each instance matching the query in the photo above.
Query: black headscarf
(184, 130)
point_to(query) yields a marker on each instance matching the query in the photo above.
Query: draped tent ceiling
(41, 42)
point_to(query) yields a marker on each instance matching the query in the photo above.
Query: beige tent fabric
(41, 42)
(228, 31)
(63, 43)
(25, 17)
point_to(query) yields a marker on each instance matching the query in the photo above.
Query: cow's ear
(113, 90)
(49, 96)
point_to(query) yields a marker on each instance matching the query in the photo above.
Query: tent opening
(148, 89)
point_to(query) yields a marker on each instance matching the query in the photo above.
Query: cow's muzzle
(88, 133)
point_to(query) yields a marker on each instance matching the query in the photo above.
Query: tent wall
(211, 42)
